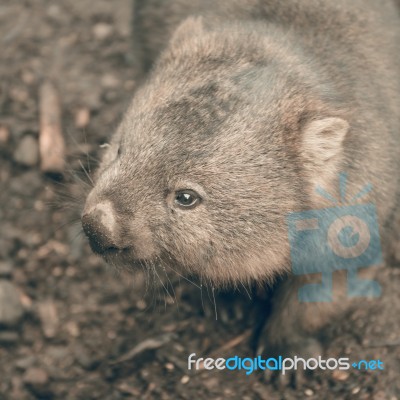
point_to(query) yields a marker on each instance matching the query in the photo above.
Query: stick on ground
(51, 140)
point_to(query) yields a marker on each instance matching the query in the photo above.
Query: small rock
(340, 375)
(141, 305)
(28, 77)
(7, 246)
(26, 184)
(6, 269)
(309, 392)
(26, 301)
(356, 390)
(169, 367)
(8, 337)
(129, 390)
(4, 135)
(54, 12)
(19, 94)
(83, 358)
(185, 379)
(58, 353)
(49, 318)
(36, 377)
(11, 309)
(92, 98)
(72, 328)
(110, 96)
(25, 363)
(102, 31)
(381, 395)
(212, 383)
(109, 81)
(129, 85)
(17, 388)
(27, 151)
(82, 118)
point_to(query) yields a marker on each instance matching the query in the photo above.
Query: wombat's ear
(322, 148)
(191, 26)
(323, 139)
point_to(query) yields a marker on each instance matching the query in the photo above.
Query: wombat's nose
(99, 235)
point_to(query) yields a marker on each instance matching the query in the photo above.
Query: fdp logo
(337, 238)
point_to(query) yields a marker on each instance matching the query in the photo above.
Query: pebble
(27, 184)
(309, 392)
(92, 98)
(129, 390)
(28, 77)
(381, 395)
(185, 379)
(19, 94)
(102, 31)
(8, 337)
(340, 375)
(11, 309)
(212, 383)
(109, 81)
(82, 118)
(25, 363)
(27, 151)
(73, 329)
(36, 377)
(49, 318)
(169, 367)
(356, 390)
(4, 135)
(6, 269)
(141, 305)
(83, 358)
(54, 12)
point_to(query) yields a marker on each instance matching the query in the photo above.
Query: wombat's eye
(187, 199)
(119, 151)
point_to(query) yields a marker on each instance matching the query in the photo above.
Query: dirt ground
(80, 330)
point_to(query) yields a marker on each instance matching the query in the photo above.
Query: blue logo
(344, 237)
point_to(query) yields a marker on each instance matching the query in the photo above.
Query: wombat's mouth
(106, 251)
(124, 259)
(114, 253)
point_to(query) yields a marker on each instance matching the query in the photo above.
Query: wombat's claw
(225, 309)
(293, 379)
(305, 348)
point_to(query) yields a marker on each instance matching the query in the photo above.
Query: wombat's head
(207, 164)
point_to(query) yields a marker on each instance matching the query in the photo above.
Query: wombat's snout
(98, 225)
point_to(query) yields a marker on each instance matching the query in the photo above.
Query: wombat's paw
(286, 374)
(226, 308)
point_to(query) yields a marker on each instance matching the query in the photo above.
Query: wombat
(244, 108)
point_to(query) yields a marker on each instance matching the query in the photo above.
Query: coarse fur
(252, 104)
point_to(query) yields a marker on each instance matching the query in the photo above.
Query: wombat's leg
(293, 325)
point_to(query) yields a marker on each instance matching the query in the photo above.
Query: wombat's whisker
(185, 278)
(246, 290)
(80, 233)
(74, 221)
(215, 303)
(164, 287)
(74, 175)
(172, 287)
(84, 151)
(86, 173)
